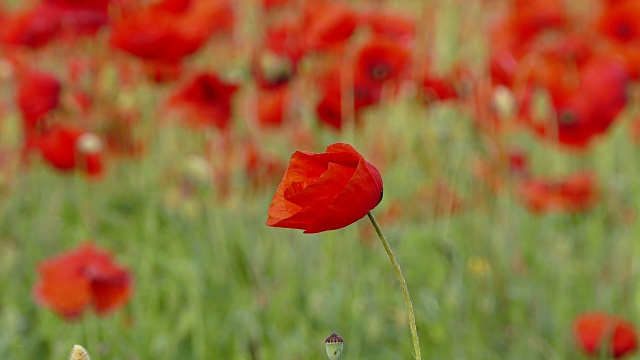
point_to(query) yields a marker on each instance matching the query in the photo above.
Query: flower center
(380, 72)
(567, 118)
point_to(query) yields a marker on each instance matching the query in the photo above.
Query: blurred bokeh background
(506, 132)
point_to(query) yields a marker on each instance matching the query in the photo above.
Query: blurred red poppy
(363, 94)
(619, 21)
(79, 17)
(436, 88)
(38, 93)
(70, 148)
(586, 110)
(272, 106)
(574, 193)
(529, 17)
(395, 27)
(260, 168)
(82, 278)
(600, 333)
(271, 4)
(572, 48)
(382, 60)
(52, 18)
(325, 191)
(169, 33)
(173, 6)
(503, 67)
(32, 28)
(515, 35)
(206, 100)
(285, 41)
(330, 108)
(327, 24)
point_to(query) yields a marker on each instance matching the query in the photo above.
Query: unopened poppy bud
(89, 143)
(274, 67)
(504, 102)
(79, 353)
(334, 344)
(197, 169)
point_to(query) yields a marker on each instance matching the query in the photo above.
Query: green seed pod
(334, 344)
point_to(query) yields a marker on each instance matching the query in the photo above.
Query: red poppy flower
(260, 168)
(161, 72)
(575, 193)
(586, 110)
(396, 27)
(382, 60)
(86, 277)
(49, 19)
(330, 108)
(33, 28)
(525, 22)
(516, 35)
(325, 191)
(529, 18)
(503, 67)
(207, 101)
(286, 41)
(67, 148)
(78, 17)
(174, 6)
(620, 21)
(599, 332)
(271, 4)
(38, 93)
(437, 89)
(155, 37)
(327, 24)
(629, 54)
(272, 106)
(572, 48)
(165, 34)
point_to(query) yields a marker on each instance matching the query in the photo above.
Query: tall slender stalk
(403, 285)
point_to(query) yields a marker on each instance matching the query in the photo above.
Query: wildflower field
(160, 160)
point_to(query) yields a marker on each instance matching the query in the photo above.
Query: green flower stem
(403, 285)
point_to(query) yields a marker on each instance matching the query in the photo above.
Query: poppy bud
(273, 70)
(504, 102)
(334, 345)
(89, 143)
(197, 170)
(79, 353)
